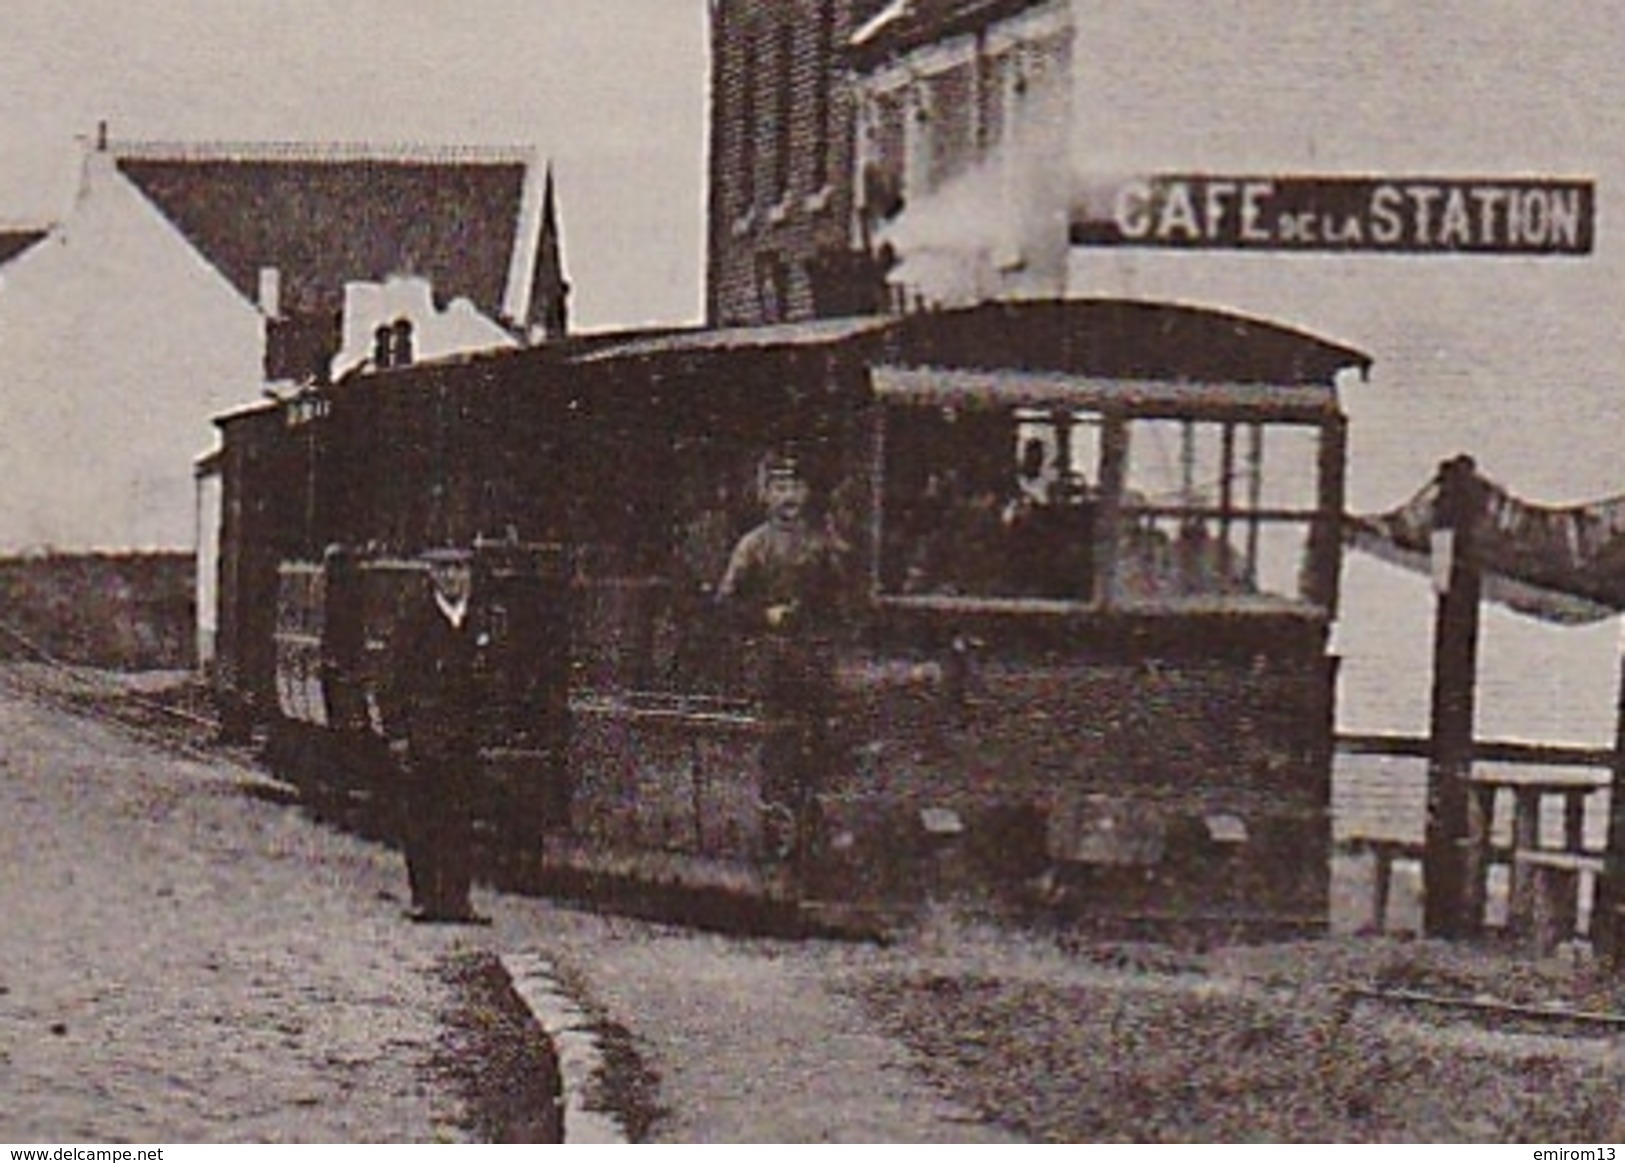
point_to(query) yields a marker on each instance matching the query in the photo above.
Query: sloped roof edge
(324, 151)
(15, 240)
(326, 213)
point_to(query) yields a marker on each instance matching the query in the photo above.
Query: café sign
(1507, 216)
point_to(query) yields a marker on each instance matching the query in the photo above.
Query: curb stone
(580, 1056)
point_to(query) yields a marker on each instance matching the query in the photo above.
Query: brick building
(829, 116)
(782, 244)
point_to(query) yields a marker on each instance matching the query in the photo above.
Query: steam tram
(1094, 547)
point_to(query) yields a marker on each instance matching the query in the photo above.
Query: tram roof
(812, 333)
(1003, 388)
(1129, 340)
(1123, 339)
(1132, 342)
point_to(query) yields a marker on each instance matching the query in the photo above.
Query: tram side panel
(258, 516)
(668, 781)
(336, 646)
(1146, 789)
(664, 741)
(523, 620)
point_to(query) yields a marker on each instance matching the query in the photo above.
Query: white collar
(454, 613)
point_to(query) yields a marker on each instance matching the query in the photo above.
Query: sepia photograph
(967, 572)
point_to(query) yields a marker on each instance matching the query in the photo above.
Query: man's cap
(446, 555)
(779, 462)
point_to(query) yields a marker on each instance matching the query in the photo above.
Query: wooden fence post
(1452, 876)
(1607, 932)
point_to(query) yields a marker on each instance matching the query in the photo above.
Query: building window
(994, 77)
(948, 123)
(824, 63)
(392, 344)
(746, 67)
(885, 157)
(772, 289)
(784, 108)
(402, 347)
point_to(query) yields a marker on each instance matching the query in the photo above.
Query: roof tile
(326, 216)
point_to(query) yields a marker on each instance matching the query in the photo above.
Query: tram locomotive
(1092, 550)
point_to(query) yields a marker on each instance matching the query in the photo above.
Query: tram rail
(1502, 1016)
(35, 674)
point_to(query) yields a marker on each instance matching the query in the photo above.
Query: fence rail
(1484, 750)
(1547, 885)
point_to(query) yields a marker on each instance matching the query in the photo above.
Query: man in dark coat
(430, 709)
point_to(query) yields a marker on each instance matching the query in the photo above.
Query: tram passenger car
(1092, 549)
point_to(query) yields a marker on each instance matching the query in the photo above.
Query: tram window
(1291, 455)
(986, 504)
(1168, 558)
(1222, 464)
(1216, 510)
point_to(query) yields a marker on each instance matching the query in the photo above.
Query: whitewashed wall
(117, 343)
(460, 329)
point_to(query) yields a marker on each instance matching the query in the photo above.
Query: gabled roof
(324, 215)
(14, 241)
(549, 289)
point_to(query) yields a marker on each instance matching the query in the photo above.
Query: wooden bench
(1545, 907)
(1544, 898)
(1383, 853)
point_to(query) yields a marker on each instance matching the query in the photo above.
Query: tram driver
(782, 589)
(1049, 529)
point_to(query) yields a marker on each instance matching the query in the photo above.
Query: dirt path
(182, 963)
(748, 1039)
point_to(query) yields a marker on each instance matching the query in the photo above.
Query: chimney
(271, 292)
(401, 353)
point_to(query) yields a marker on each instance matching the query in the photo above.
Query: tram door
(523, 605)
